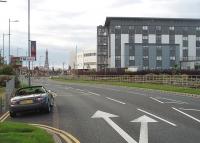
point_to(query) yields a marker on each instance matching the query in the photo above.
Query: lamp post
(3, 46)
(9, 39)
(29, 41)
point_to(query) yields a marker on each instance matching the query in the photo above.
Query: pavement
(109, 114)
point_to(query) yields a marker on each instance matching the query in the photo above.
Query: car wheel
(12, 114)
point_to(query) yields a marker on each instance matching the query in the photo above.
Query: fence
(4, 100)
(178, 80)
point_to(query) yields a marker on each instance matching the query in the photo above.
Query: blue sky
(61, 25)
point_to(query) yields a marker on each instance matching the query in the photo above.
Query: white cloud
(62, 24)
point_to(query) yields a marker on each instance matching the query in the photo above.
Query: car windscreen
(30, 91)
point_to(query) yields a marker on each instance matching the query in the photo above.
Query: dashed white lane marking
(190, 109)
(187, 115)
(137, 93)
(94, 93)
(115, 100)
(157, 117)
(80, 90)
(157, 100)
(68, 87)
(168, 101)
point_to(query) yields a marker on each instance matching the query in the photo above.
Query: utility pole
(29, 44)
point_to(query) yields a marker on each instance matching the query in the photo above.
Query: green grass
(2, 91)
(11, 132)
(161, 87)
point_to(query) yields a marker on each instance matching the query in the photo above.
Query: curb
(68, 138)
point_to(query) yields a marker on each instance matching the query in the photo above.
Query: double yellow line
(68, 138)
(4, 117)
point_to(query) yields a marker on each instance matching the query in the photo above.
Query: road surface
(109, 114)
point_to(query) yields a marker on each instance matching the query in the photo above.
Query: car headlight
(13, 102)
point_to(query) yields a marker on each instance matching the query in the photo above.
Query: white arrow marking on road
(106, 117)
(144, 120)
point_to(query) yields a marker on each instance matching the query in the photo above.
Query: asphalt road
(156, 117)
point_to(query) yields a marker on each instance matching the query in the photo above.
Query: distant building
(46, 64)
(86, 60)
(148, 43)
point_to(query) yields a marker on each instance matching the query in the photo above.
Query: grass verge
(11, 132)
(2, 91)
(161, 87)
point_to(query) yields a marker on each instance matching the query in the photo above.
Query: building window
(185, 38)
(131, 58)
(158, 28)
(159, 58)
(158, 39)
(131, 27)
(144, 27)
(172, 58)
(117, 57)
(145, 37)
(198, 38)
(171, 28)
(145, 57)
(118, 27)
(158, 47)
(198, 28)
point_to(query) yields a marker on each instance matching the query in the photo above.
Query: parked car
(31, 98)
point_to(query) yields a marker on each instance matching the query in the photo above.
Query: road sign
(27, 58)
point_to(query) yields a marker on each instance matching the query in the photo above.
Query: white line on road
(80, 90)
(176, 102)
(187, 115)
(136, 93)
(115, 100)
(94, 93)
(190, 109)
(157, 117)
(156, 100)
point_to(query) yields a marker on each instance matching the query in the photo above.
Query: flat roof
(108, 19)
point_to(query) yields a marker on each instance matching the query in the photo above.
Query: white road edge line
(190, 109)
(157, 100)
(187, 115)
(115, 100)
(157, 117)
(94, 93)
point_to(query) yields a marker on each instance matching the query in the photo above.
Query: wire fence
(178, 80)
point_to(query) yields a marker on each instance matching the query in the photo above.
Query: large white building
(86, 60)
(148, 43)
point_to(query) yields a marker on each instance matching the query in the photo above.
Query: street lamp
(9, 39)
(29, 40)
(3, 46)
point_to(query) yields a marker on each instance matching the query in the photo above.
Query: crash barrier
(179, 80)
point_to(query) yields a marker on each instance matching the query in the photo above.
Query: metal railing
(178, 80)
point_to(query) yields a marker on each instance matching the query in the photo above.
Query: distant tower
(46, 64)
